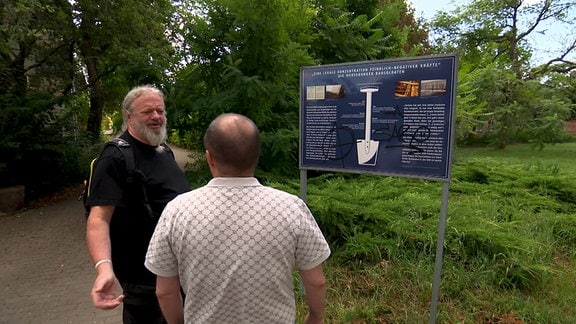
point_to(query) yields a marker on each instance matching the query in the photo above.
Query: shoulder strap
(126, 151)
(131, 170)
(130, 165)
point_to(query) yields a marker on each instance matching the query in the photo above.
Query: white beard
(153, 138)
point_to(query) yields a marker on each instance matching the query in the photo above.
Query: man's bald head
(233, 141)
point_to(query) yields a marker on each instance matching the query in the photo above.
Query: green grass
(509, 252)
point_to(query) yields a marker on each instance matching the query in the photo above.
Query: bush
(280, 152)
(41, 146)
(508, 219)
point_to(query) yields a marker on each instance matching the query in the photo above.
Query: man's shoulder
(119, 142)
(211, 190)
(115, 148)
(280, 193)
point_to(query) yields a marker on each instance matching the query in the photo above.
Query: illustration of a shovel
(367, 148)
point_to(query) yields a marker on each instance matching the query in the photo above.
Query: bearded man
(124, 208)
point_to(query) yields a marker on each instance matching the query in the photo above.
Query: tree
(514, 110)
(51, 53)
(492, 38)
(36, 67)
(120, 39)
(33, 45)
(342, 37)
(366, 30)
(245, 56)
(564, 86)
(408, 32)
(499, 31)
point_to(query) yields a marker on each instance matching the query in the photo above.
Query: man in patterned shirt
(233, 244)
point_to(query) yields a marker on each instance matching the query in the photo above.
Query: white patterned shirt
(235, 243)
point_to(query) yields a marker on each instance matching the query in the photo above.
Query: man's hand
(104, 291)
(98, 240)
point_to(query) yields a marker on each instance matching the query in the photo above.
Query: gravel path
(45, 272)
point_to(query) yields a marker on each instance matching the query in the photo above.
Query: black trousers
(140, 305)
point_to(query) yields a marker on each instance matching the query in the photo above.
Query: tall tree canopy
(504, 100)
(500, 31)
(245, 56)
(56, 54)
(122, 43)
(209, 56)
(36, 67)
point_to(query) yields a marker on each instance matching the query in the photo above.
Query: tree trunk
(95, 89)
(18, 74)
(516, 64)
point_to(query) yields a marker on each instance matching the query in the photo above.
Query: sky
(545, 46)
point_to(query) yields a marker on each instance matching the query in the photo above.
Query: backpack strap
(126, 151)
(133, 175)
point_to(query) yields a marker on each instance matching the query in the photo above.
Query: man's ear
(212, 165)
(209, 158)
(127, 115)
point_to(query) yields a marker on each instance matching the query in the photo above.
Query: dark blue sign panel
(390, 117)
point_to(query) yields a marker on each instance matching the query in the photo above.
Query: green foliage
(366, 30)
(279, 152)
(500, 109)
(470, 111)
(343, 37)
(41, 148)
(500, 101)
(44, 96)
(408, 35)
(118, 49)
(564, 86)
(496, 31)
(246, 59)
(508, 251)
(198, 174)
(506, 219)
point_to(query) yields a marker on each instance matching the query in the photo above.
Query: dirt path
(45, 271)
(182, 156)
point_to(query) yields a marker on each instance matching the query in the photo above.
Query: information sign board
(390, 117)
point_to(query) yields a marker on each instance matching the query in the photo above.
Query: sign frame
(355, 118)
